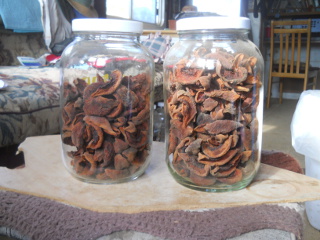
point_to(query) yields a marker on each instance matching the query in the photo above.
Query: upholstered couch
(29, 105)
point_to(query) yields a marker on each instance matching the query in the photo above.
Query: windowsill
(172, 33)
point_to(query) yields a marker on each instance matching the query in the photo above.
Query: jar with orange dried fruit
(106, 101)
(213, 90)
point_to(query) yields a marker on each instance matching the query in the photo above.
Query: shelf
(313, 14)
(314, 40)
(172, 33)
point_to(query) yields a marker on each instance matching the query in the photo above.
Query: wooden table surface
(45, 176)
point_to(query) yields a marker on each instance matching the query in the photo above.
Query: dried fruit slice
(218, 161)
(194, 166)
(230, 96)
(100, 122)
(202, 181)
(186, 74)
(235, 177)
(110, 86)
(221, 126)
(215, 152)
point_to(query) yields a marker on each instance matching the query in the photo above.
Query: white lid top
(213, 22)
(106, 25)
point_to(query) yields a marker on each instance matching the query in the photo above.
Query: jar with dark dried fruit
(213, 90)
(106, 101)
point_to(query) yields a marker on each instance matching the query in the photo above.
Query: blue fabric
(21, 15)
(78, 14)
(158, 46)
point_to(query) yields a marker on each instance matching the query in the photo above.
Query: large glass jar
(106, 101)
(214, 104)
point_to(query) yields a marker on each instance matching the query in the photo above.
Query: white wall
(219, 7)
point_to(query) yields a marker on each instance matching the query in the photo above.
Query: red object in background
(52, 57)
(268, 31)
(101, 62)
(172, 24)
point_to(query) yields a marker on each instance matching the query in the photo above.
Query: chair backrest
(291, 36)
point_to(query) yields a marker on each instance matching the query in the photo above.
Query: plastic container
(305, 136)
(106, 101)
(313, 207)
(213, 89)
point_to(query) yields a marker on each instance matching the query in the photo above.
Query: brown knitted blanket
(41, 218)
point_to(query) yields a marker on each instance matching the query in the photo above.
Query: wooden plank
(298, 54)
(172, 33)
(286, 53)
(285, 30)
(280, 53)
(293, 36)
(291, 22)
(288, 75)
(45, 176)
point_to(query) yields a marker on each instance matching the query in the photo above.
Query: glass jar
(214, 104)
(106, 101)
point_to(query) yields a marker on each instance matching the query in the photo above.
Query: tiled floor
(276, 128)
(277, 136)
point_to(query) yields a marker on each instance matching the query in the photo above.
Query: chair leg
(280, 90)
(269, 91)
(314, 82)
(305, 83)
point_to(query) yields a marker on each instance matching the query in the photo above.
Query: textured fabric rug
(281, 160)
(40, 218)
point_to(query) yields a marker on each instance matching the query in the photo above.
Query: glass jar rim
(212, 22)
(106, 25)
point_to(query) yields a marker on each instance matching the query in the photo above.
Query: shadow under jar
(213, 90)
(106, 101)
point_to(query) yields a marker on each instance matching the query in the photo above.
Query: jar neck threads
(213, 34)
(107, 36)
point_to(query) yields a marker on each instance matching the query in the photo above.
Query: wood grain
(45, 176)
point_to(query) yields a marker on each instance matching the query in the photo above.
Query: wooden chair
(291, 63)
